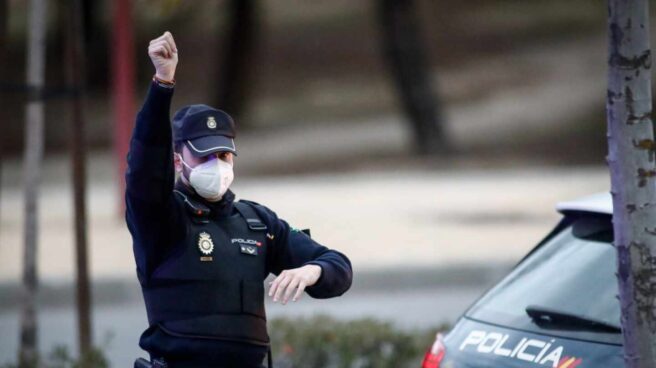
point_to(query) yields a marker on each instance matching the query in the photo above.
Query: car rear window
(573, 273)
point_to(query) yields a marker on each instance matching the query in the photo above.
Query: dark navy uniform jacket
(153, 220)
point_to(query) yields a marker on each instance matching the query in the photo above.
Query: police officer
(201, 256)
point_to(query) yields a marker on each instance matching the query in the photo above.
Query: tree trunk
(235, 78)
(4, 17)
(123, 72)
(33, 154)
(75, 73)
(631, 154)
(94, 44)
(404, 53)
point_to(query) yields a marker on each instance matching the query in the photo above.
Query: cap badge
(205, 244)
(211, 123)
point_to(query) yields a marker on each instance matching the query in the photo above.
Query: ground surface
(423, 244)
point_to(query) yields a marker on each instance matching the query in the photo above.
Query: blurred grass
(323, 341)
(319, 341)
(60, 356)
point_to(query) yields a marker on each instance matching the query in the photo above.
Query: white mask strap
(183, 162)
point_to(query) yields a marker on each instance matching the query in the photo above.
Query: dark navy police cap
(204, 130)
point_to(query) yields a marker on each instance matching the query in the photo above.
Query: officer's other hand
(164, 55)
(293, 281)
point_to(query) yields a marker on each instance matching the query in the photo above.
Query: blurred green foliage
(61, 357)
(319, 341)
(323, 341)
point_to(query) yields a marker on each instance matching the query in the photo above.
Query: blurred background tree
(278, 64)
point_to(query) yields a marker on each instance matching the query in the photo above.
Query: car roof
(600, 203)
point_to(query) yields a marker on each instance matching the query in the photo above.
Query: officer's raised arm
(150, 174)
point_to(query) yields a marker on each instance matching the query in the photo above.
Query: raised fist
(164, 55)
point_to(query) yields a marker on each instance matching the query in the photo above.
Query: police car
(557, 308)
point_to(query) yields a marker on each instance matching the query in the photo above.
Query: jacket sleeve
(291, 248)
(149, 181)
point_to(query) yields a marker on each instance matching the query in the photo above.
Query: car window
(573, 273)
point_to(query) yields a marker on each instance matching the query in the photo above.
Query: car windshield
(572, 274)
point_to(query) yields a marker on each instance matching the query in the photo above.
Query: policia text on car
(201, 256)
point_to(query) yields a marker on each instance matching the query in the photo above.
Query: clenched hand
(164, 55)
(294, 281)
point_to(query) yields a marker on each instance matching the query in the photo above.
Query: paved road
(401, 219)
(393, 218)
(411, 299)
(408, 308)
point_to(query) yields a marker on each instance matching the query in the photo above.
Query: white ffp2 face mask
(210, 179)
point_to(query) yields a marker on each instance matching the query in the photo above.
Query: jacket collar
(222, 208)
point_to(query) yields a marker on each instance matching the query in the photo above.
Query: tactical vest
(214, 286)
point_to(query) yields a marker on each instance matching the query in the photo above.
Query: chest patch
(206, 246)
(248, 249)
